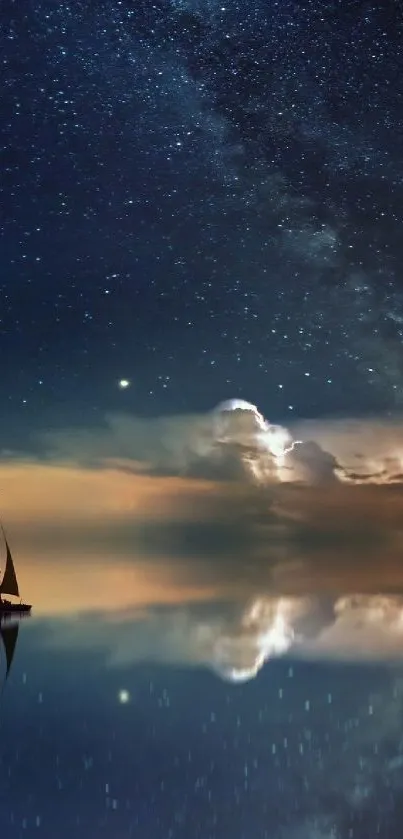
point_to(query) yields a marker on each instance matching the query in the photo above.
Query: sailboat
(9, 585)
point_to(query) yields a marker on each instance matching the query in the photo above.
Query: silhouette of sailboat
(9, 585)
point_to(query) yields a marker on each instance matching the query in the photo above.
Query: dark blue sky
(203, 198)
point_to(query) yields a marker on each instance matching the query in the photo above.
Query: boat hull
(14, 609)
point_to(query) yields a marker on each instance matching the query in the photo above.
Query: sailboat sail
(9, 635)
(9, 583)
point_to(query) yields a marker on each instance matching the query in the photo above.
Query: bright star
(124, 383)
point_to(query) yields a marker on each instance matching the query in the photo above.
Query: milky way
(205, 195)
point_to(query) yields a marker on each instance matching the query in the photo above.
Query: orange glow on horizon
(32, 491)
(78, 542)
(72, 584)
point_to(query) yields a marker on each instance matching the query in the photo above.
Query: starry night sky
(204, 198)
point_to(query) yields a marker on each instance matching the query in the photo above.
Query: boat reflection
(9, 630)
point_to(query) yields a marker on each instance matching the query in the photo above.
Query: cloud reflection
(235, 640)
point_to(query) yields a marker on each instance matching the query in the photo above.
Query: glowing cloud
(262, 445)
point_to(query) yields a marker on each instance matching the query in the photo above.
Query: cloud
(221, 506)
(234, 442)
(369, 450)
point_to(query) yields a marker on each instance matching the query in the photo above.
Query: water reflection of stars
(123, 697)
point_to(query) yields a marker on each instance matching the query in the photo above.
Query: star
(123, 384)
